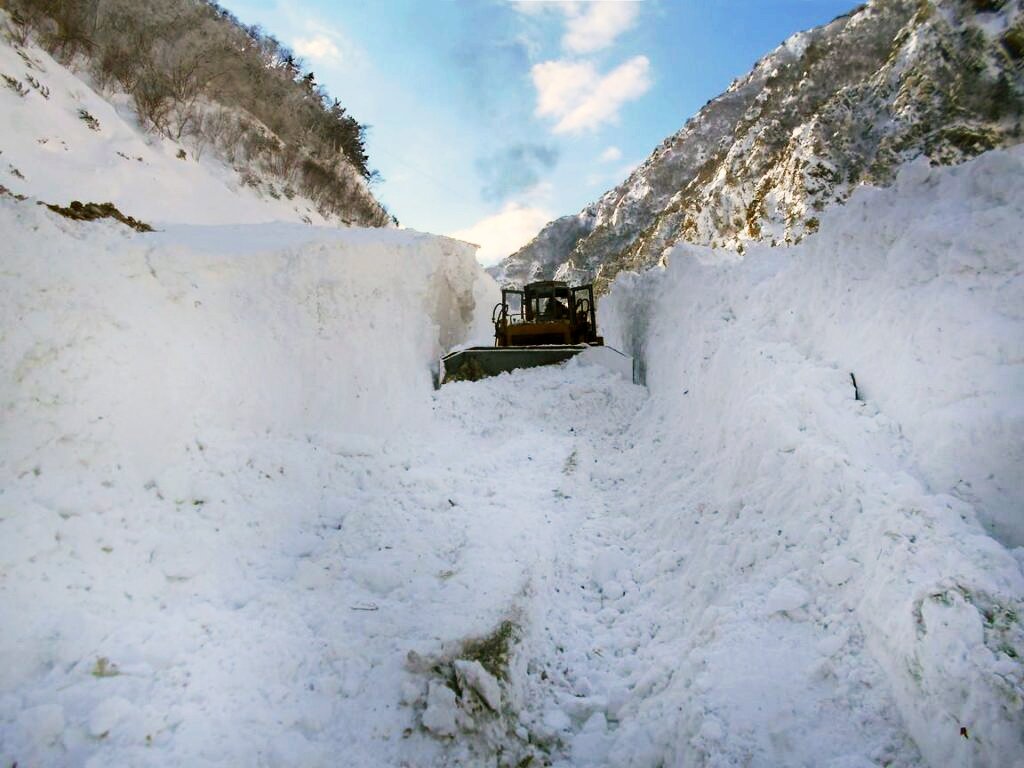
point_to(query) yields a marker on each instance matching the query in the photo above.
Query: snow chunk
(109, 714)
(838, 569)
(711, 729)
(590, 747)
(472, 675)
(556, 721)
(606, 357)
(440, 715)
(43, 724)
(786, 596)
(411, 692)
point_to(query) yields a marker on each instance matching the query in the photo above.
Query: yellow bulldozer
(545, 313)
(544, 323)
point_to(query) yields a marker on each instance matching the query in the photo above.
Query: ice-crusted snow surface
(239, 527)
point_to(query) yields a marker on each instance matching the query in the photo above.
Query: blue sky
(489, 118)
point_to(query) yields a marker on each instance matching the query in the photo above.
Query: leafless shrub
(208, 129)
(118, 66)
(152, 100)
(42, 89)
(72, 27)
(89, 120)
(15, 85)
(249, 179)
(18, 30)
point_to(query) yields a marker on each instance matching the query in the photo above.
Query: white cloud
(611, 154)
(561, 84)
(593, 26)
(505, 232)
(316, 40)
(580, 98)
(319, 48)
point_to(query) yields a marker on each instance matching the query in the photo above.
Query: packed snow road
(306, 613)
(349, 631)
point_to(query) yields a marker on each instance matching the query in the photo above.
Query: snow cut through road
(238, 527)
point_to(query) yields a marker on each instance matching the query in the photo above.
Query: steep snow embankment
(63, 141)
(277, 330)
(802, 532)
(194, 508)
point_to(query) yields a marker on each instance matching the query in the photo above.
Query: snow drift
(793, 503)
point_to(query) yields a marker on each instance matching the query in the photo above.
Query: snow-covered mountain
(832, 108)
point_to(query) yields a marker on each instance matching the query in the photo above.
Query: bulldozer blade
(480, 362)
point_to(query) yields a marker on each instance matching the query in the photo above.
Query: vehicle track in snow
(542, 498)
(632, 654)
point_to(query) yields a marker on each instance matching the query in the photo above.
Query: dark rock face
(837, 106)
(79, 211)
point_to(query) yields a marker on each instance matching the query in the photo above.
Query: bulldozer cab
(546, 312)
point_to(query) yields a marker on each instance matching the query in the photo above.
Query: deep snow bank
(136, 344)
(791, 503)
(177, 408)
(917, 290)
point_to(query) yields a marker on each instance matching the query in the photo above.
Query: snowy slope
(239, 527)
(62, 141)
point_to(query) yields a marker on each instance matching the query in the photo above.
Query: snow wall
(127, 348)
(182, 410)
(816, 504)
